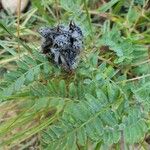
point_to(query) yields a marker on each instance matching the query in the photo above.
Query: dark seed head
(64, 43)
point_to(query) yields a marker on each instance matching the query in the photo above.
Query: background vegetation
(105, 104)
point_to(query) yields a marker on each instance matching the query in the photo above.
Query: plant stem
(18, 21)
(5, 61)
(136, 78)
(141, 63)
(122, 143)
(88, 17)
(57, 11)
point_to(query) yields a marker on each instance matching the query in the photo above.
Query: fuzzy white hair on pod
(63, 43)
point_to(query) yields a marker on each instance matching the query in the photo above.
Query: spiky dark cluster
(63, 44)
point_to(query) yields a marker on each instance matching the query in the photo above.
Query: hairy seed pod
(63, 44)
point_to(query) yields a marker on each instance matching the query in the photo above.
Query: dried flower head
(62, 44)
